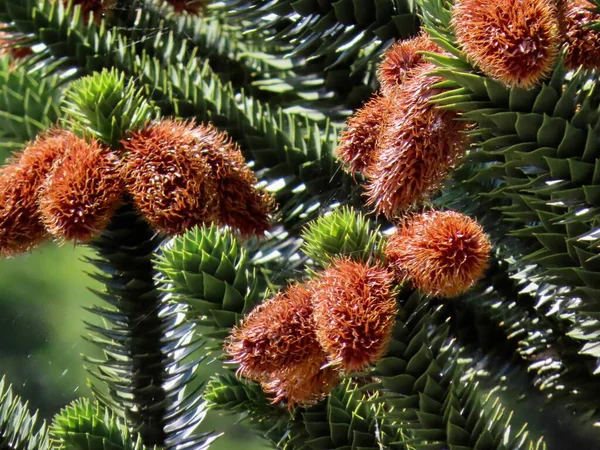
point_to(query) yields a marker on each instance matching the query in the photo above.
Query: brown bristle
(81, 193)
(276, 336)
(583, 43)
(513, 41)
(417, 147)
(302, 385)
(401, 59)
(20, 182)
(181, 175)
(442, 253)
(357, 142)
(354, 313)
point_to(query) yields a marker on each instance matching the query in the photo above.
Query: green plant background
(42, 323)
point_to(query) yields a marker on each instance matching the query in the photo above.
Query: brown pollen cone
(583, 43)
(169, 178)
(276, 337)
(81, 193)
(303, 384)
(241, 205)
(417, 147)
(401, 59)
(357, 142)
(181, 175)
(193, 7)
(20, 181)
(514, 41)
(354, 313)
(443, 253)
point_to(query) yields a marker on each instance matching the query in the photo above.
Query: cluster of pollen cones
(177, 175)
(405, 146)
(299, 343)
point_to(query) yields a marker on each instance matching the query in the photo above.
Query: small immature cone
(354, 312)
(20, 181)
(417, 147)
(443, 253)
(401, 59)
(357, 142)
(513, 41)
(81, 193)
(583, 43)
(181, 175)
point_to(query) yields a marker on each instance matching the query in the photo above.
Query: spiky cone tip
(401, 59)
(443, 253)
(582, 43)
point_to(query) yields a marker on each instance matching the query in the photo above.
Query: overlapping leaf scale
(86, 425)
(208, 270)
(28, 102)
(430, 386)
(19, 429)
(343, 37)
(145, 343)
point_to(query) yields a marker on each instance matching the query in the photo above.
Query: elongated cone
(81, 193)
(400, 60)
(583, 43)
(276, 336)
(354, 313)
(417, 147)
(513, 41)
(442, 253)
(20, 181)
(356, 148)
(181, 175)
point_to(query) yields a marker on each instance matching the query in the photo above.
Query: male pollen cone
(181, 175)
(276, 336)
(357, 142)
(303, 384)
(354, 312)
(583, 43)
(20, 181)
(417, 147)
(443, 253)
(513, 41)
(401, 59)
(81, 193)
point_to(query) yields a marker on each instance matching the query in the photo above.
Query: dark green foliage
(342, 233)
(83, 425)
(106, 106)
(28, 102)
(208, 270)
(19, 430)
(144, 343)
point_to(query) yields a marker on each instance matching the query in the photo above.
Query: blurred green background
(42, 300)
